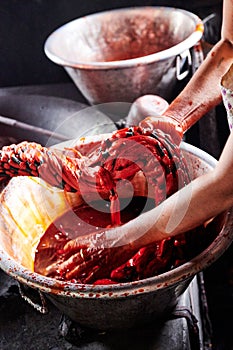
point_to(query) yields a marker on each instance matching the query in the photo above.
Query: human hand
(89, 258)
(111, 256)
(149, 112)
(166, 124)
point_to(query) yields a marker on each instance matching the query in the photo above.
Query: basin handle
(41, 308)
(183, 61)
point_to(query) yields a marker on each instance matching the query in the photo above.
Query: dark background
(25, 25)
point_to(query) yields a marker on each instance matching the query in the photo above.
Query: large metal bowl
(120, 305)
(119, 55)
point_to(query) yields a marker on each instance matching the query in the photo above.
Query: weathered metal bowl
(101, 307)
(120, 55)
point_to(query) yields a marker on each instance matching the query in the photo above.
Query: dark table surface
(24, 328)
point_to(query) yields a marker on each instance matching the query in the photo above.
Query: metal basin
(121, 305)
(119, 55)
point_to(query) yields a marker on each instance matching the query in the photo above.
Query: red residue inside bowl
(148, 261)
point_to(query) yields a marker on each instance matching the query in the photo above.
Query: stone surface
(24, 328)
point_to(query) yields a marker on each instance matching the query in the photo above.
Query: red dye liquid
(165, 170)
(83, 220)
(148, 261)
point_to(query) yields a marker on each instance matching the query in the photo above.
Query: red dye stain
(148, 261)
(101, 268)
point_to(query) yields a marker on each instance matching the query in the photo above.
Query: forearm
(204, 198)
(201, 200)
(202, 92)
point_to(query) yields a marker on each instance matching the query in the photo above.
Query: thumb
(166, 124)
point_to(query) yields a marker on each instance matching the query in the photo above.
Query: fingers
(166, 124)
(81, 269)
(83, 265)
(74, 245)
